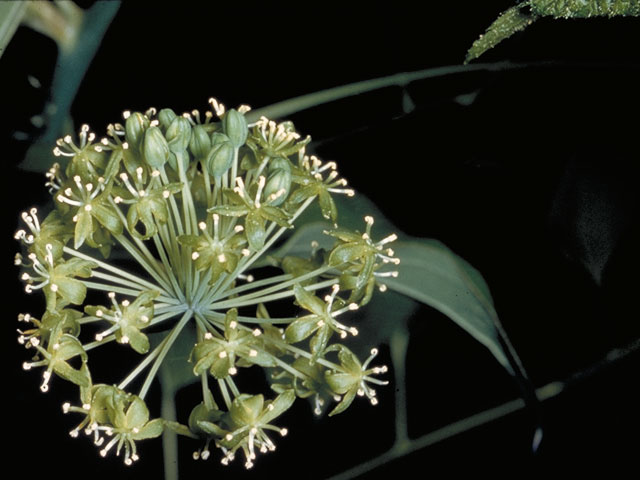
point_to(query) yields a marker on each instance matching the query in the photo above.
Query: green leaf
(431, 273)
(508, 23)
(176, 371)
(11, 14)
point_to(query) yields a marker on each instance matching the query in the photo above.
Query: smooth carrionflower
(163, 226)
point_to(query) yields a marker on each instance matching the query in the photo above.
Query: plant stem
(304, 102)
(169, 437)
(544, 393)
(171, 338)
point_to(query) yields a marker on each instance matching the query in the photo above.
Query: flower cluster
(169, 217)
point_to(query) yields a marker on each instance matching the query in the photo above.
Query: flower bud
(278, 182)
(200, 143)
(166, 116)
(235, 127)
(220, 156)
(178, 134)
(156, 149)
(135, 127)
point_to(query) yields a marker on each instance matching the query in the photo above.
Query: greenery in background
(197, 204)
(523, 14)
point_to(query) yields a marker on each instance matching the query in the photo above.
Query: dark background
(531, 175)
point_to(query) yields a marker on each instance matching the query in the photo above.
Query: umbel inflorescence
(159, 227)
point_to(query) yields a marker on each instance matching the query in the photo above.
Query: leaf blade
(431, 273)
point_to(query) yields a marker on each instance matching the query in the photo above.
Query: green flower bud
(201, 413)
(235, 127)
(178, 134)
(220, 156)
(156, 149)
(135, 126)
(200, 143)
(166, 116)
(278, 182)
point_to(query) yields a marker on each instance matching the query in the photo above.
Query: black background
(534, 182)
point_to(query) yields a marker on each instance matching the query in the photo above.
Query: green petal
(299, 195)
(108, 218)
(276, 215)
(327, 205)
(211, 428)
(220, 367)
(344, 403)
(261, 357)
(69, 347)
(347, 253)
(152, 429)
(138, 340)
(78, 377)
(137, 414)
(319, 342)
(255, 230)
(192, 241)
(309, 301)
(341, 383)
(301, 328)
(246, 409)
(84, 228)
(230, 210)
(75, 267)
(280, 404)
(349, 361)
(71, 290)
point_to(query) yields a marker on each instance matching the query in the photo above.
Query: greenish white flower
(170, 218)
